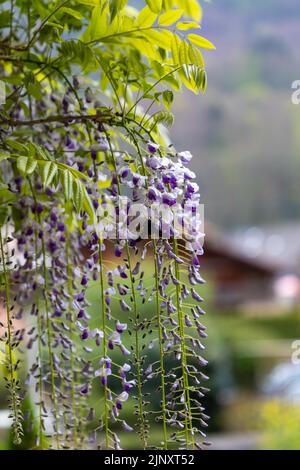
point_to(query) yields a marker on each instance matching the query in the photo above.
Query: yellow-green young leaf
(69, 11)
(192, 8)
(175, 46)
(173, 82)
(187, 79)
(145, 48)
(196, 56)
(66, 180)
(185, 25)
(159, 38)
(55, 25)
(146, 18)
(155, 5)
(26, 165)
(170, 17)
(89, 2)
(98, 25)
(105, 183)
(200, 41)
(49, 170)
(158, 68)
(184, 57)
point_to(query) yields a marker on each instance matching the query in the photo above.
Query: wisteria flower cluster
(94, 314)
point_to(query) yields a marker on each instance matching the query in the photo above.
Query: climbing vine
(95, 313)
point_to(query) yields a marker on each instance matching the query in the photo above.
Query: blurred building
(254, 266)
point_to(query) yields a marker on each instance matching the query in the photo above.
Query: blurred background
(245, 137)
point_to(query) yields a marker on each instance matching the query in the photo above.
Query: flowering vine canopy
(93, 315)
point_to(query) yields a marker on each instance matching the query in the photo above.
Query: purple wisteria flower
(152, 147)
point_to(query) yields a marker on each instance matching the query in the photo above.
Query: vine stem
(187, 402)
(161, 351)
(35, 34)
(71, 326)
(137, 352)
(50, 352)
(106, 426)
(152, 87)
(9, 347)
(11, 19)
(37, 298)
(158, 316)
(136, 318)
(101, 278)
(58, 118)
(48, 325)
(39, 326)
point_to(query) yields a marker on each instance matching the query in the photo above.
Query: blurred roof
(274, 245)
(233, 247)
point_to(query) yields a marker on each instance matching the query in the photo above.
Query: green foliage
(135, 53)
(52, 173)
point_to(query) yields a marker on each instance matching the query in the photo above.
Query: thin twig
(68, 119)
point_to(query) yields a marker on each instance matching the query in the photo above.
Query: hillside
(244, 131)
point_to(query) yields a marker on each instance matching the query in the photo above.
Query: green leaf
(16, 217)
(204, 80)
(165, 118)
(49, 170)
(78, 195)
(75, 190)
(66, 180)
(3, 214)
(155, 5)
(35, 90)
(200, 41)
(26, 165)
(115, 7)
(14, 144)
(170, 17)
(77, 51)
(168, 98)
(43, 153)
(87, 205)
(4, 156)
(4, 18)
